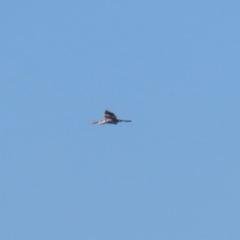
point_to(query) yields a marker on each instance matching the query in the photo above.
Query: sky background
(170, 66)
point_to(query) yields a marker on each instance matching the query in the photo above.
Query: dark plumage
(110, 118)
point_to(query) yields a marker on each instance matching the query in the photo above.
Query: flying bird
(109, 117)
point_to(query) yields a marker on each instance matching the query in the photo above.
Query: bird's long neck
(102, 121)
(124, 120)
(99, 122)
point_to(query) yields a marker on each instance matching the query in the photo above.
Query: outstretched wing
(110, 115)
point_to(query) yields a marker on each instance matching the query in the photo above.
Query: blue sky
(170, 66)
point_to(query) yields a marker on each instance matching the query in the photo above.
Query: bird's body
(109, 118)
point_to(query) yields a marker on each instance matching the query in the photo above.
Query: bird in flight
(109, 117)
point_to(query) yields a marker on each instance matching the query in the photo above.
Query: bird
(111, 118)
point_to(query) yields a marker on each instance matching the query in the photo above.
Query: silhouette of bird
(111, 118)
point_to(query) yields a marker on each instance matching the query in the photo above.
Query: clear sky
(170, 66)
